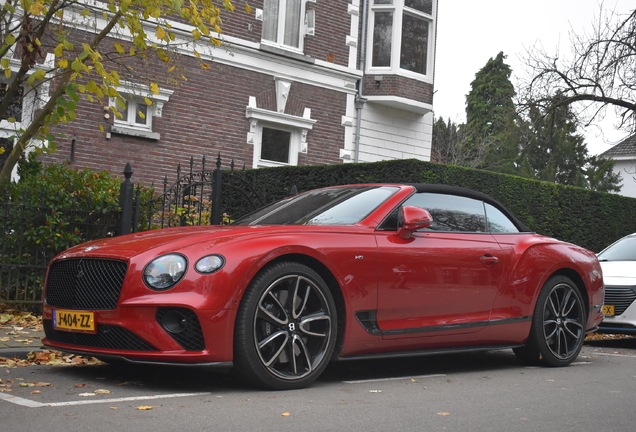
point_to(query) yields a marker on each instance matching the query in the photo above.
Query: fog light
(174, 322)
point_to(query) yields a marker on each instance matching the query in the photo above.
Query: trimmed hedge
(581, 216)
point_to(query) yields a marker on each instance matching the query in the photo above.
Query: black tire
(558, 325)
(279, 343)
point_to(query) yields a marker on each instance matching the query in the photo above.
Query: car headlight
(165, 272)
(210, 264)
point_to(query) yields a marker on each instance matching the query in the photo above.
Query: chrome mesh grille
(85, 283)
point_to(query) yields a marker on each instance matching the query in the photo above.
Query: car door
(445, 278)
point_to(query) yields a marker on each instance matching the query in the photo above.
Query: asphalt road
(471, 392)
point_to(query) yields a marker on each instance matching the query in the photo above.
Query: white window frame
(298, 126)
(399, 9)
(294, 145)
(133, 94)
(306, 26)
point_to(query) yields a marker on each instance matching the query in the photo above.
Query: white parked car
(618, 262)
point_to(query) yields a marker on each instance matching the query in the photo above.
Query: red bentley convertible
(349, 272)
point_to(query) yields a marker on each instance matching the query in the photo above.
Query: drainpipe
(360, 101)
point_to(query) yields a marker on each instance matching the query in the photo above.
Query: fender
(542, 257)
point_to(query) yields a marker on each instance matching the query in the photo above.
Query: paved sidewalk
(17, 342)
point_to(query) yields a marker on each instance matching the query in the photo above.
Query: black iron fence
(197, 197)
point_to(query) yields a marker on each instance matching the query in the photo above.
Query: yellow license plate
(70, 320)
(608, 309)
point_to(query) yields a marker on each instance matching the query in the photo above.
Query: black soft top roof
(469, 193)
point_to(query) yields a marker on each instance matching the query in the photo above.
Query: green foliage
(193, 211)
(553, 150)
(581, 216)
(56, 207)
(540, 144)
(489, 103)
(490, 137)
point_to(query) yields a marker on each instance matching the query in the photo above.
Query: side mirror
(412, 219)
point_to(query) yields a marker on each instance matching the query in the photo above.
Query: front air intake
(183, 326)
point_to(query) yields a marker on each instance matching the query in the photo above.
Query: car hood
(619, 272)
(135, 244)
(181, 238)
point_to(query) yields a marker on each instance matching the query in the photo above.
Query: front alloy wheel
(286, 327)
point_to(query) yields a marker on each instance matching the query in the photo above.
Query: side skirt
(368, 321)
(426, 352)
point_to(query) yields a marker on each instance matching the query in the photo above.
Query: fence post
(126, 195)
(215, 218)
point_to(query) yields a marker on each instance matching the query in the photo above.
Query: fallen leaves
(34, 384)
(49, 358)
(19, 318)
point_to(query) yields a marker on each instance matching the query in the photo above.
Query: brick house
(297, 82)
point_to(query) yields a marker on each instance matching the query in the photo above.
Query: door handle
(489, 260)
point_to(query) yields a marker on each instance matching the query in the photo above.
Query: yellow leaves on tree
(74, 66)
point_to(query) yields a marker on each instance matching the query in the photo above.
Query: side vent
(368, 321)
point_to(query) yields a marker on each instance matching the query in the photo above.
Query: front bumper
(148, 334)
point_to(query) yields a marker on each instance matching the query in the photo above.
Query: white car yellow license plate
(608, 310)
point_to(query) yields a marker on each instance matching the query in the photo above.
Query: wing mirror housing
(412, 219)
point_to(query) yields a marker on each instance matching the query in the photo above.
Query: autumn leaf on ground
(42, 356)
(131, 383)
(443, 413)
(286, 414)
(18, 318)
(144, 407)
(102, 391)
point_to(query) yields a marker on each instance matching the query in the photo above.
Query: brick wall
(204, 116)
(396, 85)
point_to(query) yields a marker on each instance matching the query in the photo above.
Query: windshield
(622, 250)
(334, 206)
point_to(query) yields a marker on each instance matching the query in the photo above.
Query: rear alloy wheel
(558, 325)
(285, 328)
